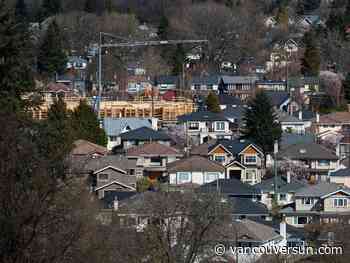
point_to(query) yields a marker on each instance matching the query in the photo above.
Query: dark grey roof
(307, 151)
(114, 126)
(277, 97)
(144, 134)
(239, 79)
(289, 139)
(234, 112)
(233, 146)
(116, 161)
(341, 172)
(205, 80)
(226, 99)
(169, 80)
(306, 115)
(320, 189)
(231, 187)
(283, 187)
(245, 206)
(202, 116)
(110, 196)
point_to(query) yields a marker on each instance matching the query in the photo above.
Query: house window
(209, 177)
(219, 158)
(308, 201)
(183, 177)
(340, 202)
(103, 177)
(156, 160)
(220, 126)
(302, 220)
(250, 159)
(323, 162)
(193, 126)
(283, 197)
(197, 86)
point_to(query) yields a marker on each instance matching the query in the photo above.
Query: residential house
(286, 188)
(201, 126)
(76, 62)
(205, 83)
(317, 160)
(343, 147)
(56, 90)
(153, 157)
(194, 170)
(242, 159)
(202, 149)
(341, 176)
(271, 85)
(319, 203)
(76, 80)
(291, 124)
(113, 173)
(280, 100)
(114, 127)
(289, 139)
(242, 208)
(227, 101)
(165, 83)
(242, 87)
(141, 136)
(335, 122)
(305, 116)
(235, 116)
(88, 149)
(138, 83)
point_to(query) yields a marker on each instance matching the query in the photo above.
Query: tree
(163, 27)
(51, 7)
(261, 125)
(15, 62)
(212, 102)
(283, 17)
(311, 5)
(346, 87)
(52, 57)
(90, 6)
(177, 60)
(86, 125)
(21, 11)
(300, 8)
(310, 63)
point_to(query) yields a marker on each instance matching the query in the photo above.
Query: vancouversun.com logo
(221, 250)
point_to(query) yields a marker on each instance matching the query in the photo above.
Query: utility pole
(131, 44)
(275, 151)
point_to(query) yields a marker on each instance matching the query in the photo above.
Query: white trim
(235, 162)
(110, 167)
(330, 194)
(115, 182)
(253, 147)
(227, 151)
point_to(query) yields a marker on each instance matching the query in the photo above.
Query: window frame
(208, 176)
(336, 202)
(102, 180)
(220, 126)
(179, 179)
(250, 156)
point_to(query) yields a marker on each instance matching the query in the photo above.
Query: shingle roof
(289, 139)
(234, 112)
(307, 151)
(277, 97)
(306, 114)
(255, 230)
(195, 163)
(56, 87)
(245, 206)
(283, 185)
(233, 146)
(202, 116)
(116, 161)
(320, 189)
(152, 149)
(114, 126)
(169, 80)
(145, 134)
(231, 187)
(341, 172)
(205, 80)
(239, 79)
(83, 147)
(202, 149)
(226, 99)
(335, 117)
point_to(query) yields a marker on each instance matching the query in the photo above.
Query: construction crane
(128, 43)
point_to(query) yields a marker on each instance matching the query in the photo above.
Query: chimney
(115, 203)
(288, 177)
(283, 229)
(300, 115)
(317, 117)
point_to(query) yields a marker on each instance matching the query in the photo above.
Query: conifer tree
(51, 7)
(86, 125)
(212, 103)
(52, 57)
(178, 59)
(310, 63)
(346, 86)
(21, 11)
(261, 124)
(163, 27)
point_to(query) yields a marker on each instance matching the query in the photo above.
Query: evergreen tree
(21, 11)
(178, 59)
(300, 8)
(347, 15)
(15, 62)
(52, 57)
(310, 63)
(87, 126)
(163, 27)
(212, 102)
(51, 7)
(346, 86)
(335, 21)
(311, 5)
(261, 124)
(90, 6)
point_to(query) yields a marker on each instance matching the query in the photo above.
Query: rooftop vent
(302, 151)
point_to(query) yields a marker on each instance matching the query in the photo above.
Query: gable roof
(205, 80)
(195, 163)
(115, 126)
(289, 139)
(202, 116)
(83, 147)
(202, 149)
(320, 189)
(307, 151)
(115, 182)
(283, 186)
(116, 161)
(231, 187)
(245, 206)
(226, 99)
(234, 147)
(152, 149)
(144, 134)
(341, 172)
(234, 112)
